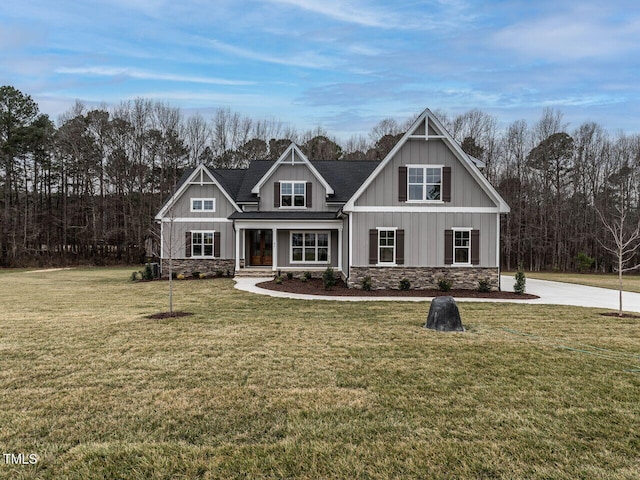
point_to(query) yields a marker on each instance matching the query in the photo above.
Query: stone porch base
(208, 266)
(424, 277)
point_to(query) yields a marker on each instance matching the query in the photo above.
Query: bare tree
(623, 227)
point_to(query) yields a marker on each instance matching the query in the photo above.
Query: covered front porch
(286, 246)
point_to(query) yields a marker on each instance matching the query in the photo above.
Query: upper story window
(292, 194)
(203, 204)
(425, 183)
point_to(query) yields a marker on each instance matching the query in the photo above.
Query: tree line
(86, 188)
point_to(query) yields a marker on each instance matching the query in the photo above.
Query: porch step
(254, 272)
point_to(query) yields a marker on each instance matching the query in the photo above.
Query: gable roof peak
(293, 155)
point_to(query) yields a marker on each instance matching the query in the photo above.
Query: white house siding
(424, 235)
(465, 191)
(297, 172)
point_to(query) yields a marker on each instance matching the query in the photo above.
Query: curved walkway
(550, 293)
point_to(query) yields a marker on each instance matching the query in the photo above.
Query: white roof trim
(453, 146)
(288, 157)
(196, 177)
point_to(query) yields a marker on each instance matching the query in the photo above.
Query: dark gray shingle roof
(284, 215)
(344, 177)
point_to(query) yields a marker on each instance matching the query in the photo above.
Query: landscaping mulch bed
(163, 315)
(624, 315)
(315, 286)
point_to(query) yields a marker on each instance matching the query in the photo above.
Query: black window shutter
(448, 247)
(216, 244)
(309, 194)
(373, 246)
(187, 244)
(402, 184)
(446, 184)
(400, 247)
(276, 195)
(475, 247)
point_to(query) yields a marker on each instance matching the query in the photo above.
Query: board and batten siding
(424, 235)
(298, 173)
(177, 238)
(182, 207)
(465, 191)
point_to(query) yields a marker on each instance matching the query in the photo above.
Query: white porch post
(239, 232)
(340, 249)
(274, 247)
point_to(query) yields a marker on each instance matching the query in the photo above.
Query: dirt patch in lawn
(163, 315)
(315, 286)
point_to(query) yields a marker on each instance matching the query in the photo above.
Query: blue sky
(342, 65)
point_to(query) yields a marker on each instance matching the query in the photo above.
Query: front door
(260, 247)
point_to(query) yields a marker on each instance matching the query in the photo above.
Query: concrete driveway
(550, 293)
(559, 293)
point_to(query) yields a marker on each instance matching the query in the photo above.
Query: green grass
(257, 387)
(630, 282)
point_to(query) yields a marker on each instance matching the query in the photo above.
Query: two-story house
(423, 213)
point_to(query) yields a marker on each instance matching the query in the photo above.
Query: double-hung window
(203, 204)
(310, 247)
(425, 183)
(462, 246)
(292, 194)
(202, 244)
(386, 246)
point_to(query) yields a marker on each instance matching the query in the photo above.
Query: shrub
(405, 284)
(307, 275)
(174, 275)
(195, 274)
(366, 283)
(180, 276)
(289, 275)
(585, 262)
(202, 276)
(303, 279)
(219, 272)
(279, 280)
(228, 273)
(484, 285)
(135, 276)
(521, 281)
(329, 278)
(444, 284)
(147, 274)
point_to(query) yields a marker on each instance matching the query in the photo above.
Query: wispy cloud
(307, 59)
(343, 11)
(145, 75)
(582, 33)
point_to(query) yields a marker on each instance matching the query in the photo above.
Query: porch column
(239, 233)
(340, 249)
(274, 249)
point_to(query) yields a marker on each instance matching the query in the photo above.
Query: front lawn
(259, 387)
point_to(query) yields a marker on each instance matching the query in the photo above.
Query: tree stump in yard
(444, 315)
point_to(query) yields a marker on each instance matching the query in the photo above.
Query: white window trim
(202, 210)
(213, 244)
(395, 246)
(293, 195)
(461, 229)
(316, 262)
(424, 173)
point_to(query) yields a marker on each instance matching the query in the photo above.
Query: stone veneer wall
(207, 266)
(424, 277)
